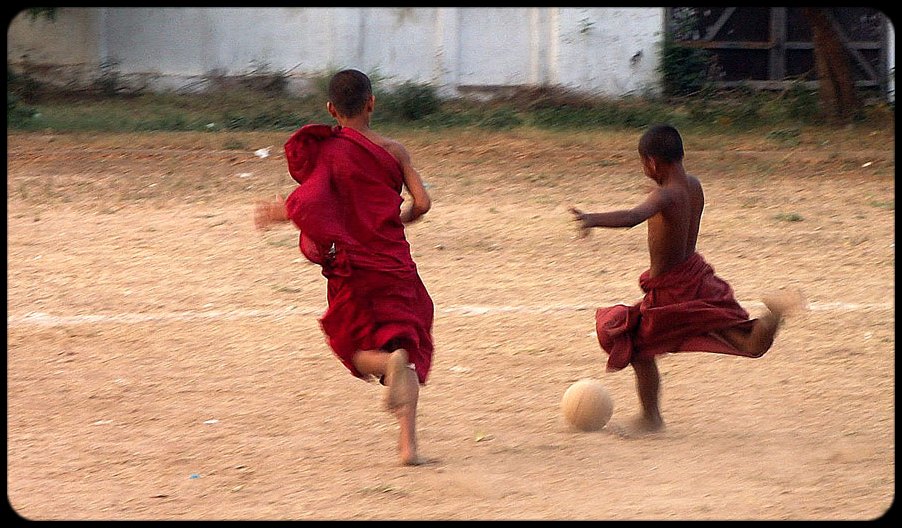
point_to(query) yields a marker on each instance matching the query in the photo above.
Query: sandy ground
(164, 359)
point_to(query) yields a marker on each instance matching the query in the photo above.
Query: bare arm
(656, 201)
(420, 200)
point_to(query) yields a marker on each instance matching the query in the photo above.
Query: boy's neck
(671, 172)
(360, 123)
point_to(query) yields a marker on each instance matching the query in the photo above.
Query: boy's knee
(760, 348)
(643, 365)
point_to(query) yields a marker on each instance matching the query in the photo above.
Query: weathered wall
(66, 48)
(891, 60)
(610, 51)
(605, 50)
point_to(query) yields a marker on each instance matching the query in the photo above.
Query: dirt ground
(164, 359)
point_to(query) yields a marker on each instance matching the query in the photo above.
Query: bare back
(673, 232)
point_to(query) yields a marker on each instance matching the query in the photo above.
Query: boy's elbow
(422, 207)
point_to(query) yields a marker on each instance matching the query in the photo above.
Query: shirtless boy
(686, 307)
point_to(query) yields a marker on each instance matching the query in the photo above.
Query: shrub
(503, 118)
(410, 101)
(801, 103)
(683, 70)
(18, 115)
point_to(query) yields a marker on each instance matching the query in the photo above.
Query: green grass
(785, 136)
(888, 205)
(789, 217)
(288, 241)
(411, 106)
(163, 113)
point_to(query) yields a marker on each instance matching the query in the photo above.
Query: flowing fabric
(679, 311)
(347, 208)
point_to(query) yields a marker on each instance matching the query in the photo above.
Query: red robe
(680, 309)
(347, 207)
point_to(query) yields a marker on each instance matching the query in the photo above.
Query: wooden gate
(771, 47)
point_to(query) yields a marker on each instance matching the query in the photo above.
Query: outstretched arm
(656, 201)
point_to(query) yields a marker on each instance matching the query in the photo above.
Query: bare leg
(401, 399)
(401, 394)
(756, 342)
(648, 383)
(371, 362)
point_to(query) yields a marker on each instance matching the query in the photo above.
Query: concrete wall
(603, 50)
(612, 51)
(891, 61)
(66, 48)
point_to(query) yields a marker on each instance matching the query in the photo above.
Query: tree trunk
(836, 86)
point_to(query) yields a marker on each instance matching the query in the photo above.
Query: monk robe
(680, 309)
(347, 208)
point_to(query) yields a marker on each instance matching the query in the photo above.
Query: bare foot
(401, 380)
(784, 303)
(407, 436)
(417, 460)
(409, 455)
(637, 426)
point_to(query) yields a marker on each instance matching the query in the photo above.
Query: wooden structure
(771, 47)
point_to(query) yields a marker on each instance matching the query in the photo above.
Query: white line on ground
(45, 319)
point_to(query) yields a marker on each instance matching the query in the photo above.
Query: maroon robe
(347, 207)
(680, 309)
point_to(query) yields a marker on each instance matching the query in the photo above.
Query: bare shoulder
(394, 148)
(695, 187)
(694, 182)
(397, 150)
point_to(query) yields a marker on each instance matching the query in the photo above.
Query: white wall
(68, 40)
(448, 47)
(891, 61)
(610, 51)
(614, 50)
(66, 47)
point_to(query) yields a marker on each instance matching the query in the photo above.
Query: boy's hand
(580, 218)
(269, 212)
